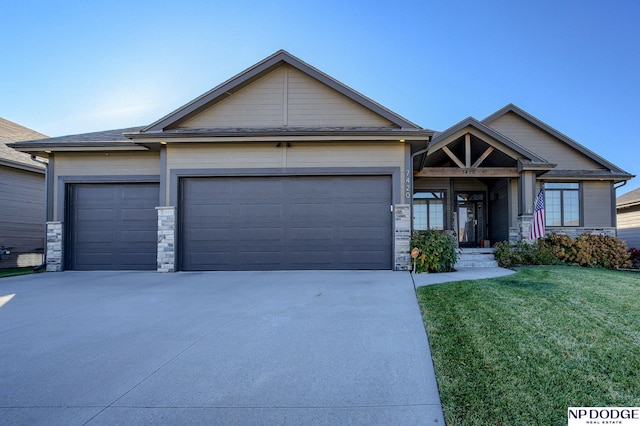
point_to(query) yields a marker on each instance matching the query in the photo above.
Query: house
(628, 208)
(283, 167)
(22, 200)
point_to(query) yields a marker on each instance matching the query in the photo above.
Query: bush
(436, 251)
(523, 253)
(589, 250)
(634, 253)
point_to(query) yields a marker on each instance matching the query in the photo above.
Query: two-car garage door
(236, 223)
(293, 222)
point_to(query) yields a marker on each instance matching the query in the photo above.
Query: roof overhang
(22, 166)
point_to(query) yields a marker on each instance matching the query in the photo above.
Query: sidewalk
(460, 274)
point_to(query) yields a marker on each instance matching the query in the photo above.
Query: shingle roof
(628, 199)
(12, 132)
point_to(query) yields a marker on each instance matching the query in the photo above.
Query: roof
(629, 199)
(260, 69)
(104, 139)
(12, 132)
(555, 133)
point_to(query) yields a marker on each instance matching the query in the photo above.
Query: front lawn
(523, 348)
(12, 272)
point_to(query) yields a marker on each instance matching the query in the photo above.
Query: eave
(21, 166)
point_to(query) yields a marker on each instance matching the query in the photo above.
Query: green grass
(521, 349)
(11, 272)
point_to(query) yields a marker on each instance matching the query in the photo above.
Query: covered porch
(476, 184)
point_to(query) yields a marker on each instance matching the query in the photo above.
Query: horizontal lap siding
(542, 144)
(286, 97)
(299, 155)
(311, 103)
(629, 225)
(257, 105)
(22, 220)
(104, 164)
(597, 204)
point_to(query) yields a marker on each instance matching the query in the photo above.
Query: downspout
(624, 182)
(43, 265)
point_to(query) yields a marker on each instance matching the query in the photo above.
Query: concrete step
(476, 258)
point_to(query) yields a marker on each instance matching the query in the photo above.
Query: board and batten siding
(103, 164)
(597, 204)
(542, 144)
(22, 198)
(629, 225)
(286, 97)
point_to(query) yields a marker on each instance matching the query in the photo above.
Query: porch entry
(472, 225)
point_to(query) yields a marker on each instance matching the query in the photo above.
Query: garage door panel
(296, 222)
(113, 226)
(137, 237)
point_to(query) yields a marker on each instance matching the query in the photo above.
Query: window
(562, 204)
(428, 210)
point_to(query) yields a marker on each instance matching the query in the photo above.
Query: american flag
(537, 223)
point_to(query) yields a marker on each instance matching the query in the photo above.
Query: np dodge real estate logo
(626, 416)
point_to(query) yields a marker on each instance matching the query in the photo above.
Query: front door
(471, 218)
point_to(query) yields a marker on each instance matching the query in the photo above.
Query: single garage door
(276, 223)
(113, 226)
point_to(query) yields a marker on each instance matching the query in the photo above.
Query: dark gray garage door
(113, 226)
(272, 223)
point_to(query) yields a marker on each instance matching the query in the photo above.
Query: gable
(542, 143)
(285, 97)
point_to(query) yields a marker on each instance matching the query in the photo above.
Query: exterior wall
(541, 143)
(629, 225)
(103, 164)
(299, 155)
(22, 197)
(286, 97)
(597, 201)
(499, 211)
(311, 103)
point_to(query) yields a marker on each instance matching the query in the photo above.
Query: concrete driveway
(214, 348)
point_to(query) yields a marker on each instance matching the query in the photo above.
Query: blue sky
(74, 67)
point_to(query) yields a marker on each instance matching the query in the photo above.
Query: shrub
(634, 254)
(523, 253)
(589, 250)
(436, 251)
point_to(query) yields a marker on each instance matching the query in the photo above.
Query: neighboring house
(628, 206)
(283, 167)
(22, 197)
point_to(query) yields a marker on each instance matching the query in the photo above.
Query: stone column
(524, 226)
(166, 239)
(402, 236)
(54, 246)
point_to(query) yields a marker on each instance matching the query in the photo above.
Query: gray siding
(299, 155)
(286, 97)
(22, 220)
(597, 204)
(629, 225)
(499, 212)
(103, 164)
(542, 144)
